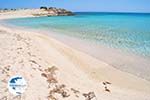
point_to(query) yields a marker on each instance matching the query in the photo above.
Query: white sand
(124, 61)
(21, 13)
(28, 54)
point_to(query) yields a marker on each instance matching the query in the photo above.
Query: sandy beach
(56, 71)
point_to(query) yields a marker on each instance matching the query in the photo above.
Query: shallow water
(125, 31)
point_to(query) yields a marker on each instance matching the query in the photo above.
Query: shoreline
(124, 61)
(74, 67)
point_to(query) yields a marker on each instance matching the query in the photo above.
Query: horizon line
(87, 11)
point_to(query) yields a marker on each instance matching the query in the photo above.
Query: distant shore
(31, 54)
(19, 13)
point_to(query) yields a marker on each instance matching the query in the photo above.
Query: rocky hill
(53, 11)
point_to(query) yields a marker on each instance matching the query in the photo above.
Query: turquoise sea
(129, 32)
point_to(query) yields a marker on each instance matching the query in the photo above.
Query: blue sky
(83, 5)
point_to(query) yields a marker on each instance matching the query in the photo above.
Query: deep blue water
(127, 31)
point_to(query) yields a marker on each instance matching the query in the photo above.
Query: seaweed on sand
(89, 96)
(59, 89)
(105, 86)
(50, 75)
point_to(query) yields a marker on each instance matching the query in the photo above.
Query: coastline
(74, 67)
(124, 61)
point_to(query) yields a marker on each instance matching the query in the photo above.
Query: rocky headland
(53, 11)
(42, 11)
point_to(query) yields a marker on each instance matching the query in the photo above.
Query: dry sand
(21, 13)
(78, 76)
